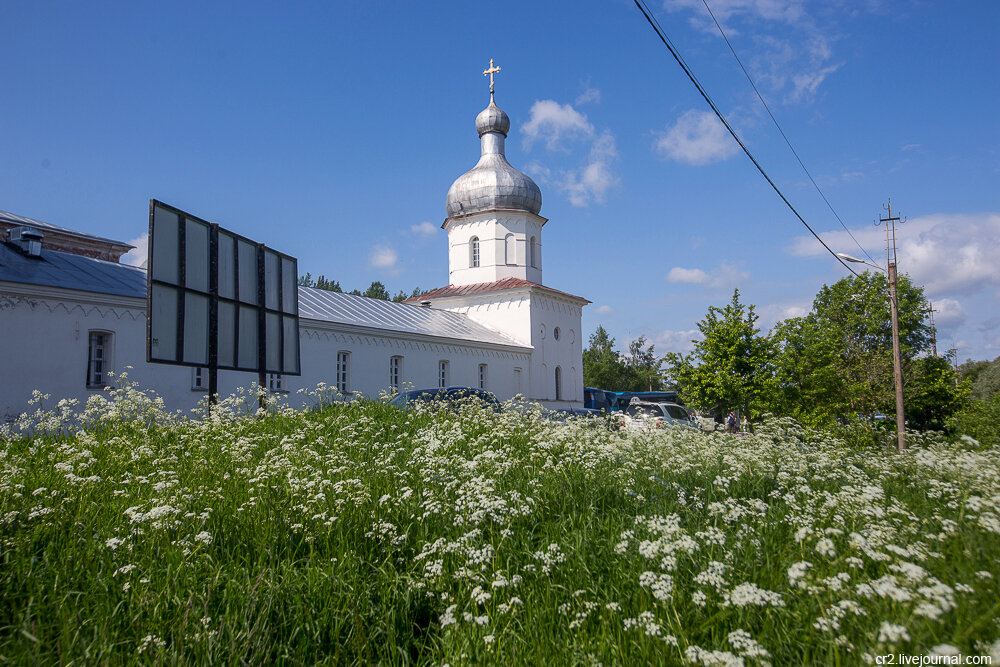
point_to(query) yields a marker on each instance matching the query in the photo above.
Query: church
(71, 315)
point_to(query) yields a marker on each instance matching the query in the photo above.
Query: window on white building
(556, 333)
(517, 381)
(443, 374)
(343, 371)
(532, 253)
(558, 383)
(474, 251)
(98, 359)
(395, 372)
(482, 376)
(276, 383)
(199, 379)
(510, 250)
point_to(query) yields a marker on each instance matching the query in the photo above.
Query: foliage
(361, 534)
(607, 368)
(320, 283)
(983, 376)
(835, 364)
(979, 420)
(642, 367)
(731, 366)
(377, 290)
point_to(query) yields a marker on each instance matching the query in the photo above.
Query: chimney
(26, 239)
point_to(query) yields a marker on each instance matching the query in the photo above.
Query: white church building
(70, 313)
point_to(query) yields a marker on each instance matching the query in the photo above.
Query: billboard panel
(218, 299)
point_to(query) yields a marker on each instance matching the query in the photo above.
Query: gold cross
(491, 71)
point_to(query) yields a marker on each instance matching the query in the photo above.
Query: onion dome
(493, 183)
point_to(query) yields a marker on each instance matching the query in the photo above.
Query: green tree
(603, 366)
(836, 362)
(642, 367)
(731, 367)
(376, 291)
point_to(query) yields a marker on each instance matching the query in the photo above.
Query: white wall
(44, 346)
(492, 228)
(531, 316)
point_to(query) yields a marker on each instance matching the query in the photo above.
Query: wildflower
(204, 537)
(890, 633)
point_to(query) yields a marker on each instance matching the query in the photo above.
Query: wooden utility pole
(897, 367)
(930, 317)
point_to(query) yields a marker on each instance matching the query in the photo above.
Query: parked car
(447, 396)
(640, 414)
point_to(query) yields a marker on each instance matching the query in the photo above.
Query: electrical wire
(687, 70)
(783, 136)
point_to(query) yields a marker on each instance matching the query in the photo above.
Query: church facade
(70, 313)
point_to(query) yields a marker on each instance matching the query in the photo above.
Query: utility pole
(930, 317)
(897, 368)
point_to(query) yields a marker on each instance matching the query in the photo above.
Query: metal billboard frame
(268, 302)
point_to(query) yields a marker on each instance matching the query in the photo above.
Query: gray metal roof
(13, 218)
(63, 269)
(317, 304)
(76, 272)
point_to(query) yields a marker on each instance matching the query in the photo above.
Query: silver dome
(493, 183)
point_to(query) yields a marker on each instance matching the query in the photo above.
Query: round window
(555, 333)
(541, 330)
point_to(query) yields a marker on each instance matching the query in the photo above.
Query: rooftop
(485, 288)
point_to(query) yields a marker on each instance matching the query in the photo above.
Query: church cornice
(492, 214)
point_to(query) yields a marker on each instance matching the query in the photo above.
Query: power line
(687, 70)
(777, 125)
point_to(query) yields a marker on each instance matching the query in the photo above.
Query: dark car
(451, 396)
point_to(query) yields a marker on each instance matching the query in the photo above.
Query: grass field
(358, 534)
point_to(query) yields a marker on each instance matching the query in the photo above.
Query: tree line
(830, 365)
(377, 290)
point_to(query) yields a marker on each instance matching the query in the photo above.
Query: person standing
(731, 422)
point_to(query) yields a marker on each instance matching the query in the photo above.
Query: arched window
(510, 249)
(474, 251)
(558, 383)
(532, 253)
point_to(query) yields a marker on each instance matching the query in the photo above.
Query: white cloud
(948, 254)
(697, 138)
(948, 312)
(787, 52)
(681, 275)
(674, 341)
(384, 257)
(555, 123)
(783, 11)
(725, 275)
(592, 182)
(773, 313)
(424, 229)
(138, 256)
(588, 96)
(563, 129)
(604, 310)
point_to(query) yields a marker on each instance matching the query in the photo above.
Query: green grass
(358, 534)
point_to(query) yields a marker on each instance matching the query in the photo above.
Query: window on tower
(510, 250)
(533, 253)
(474, 251)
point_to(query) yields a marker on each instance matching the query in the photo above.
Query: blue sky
(332, 131)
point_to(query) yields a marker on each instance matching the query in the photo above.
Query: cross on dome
(491, 71)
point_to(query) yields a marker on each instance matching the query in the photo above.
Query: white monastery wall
(46, 338)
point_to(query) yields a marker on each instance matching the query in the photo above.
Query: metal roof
(15, 219)
(317, 304)
(483, 288)
(76, 272)
(63, 269)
